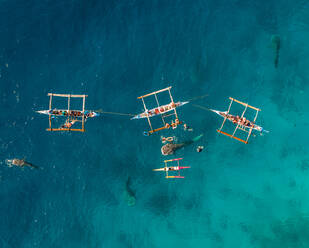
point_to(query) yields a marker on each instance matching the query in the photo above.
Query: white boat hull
(44, 112)
(157, 111)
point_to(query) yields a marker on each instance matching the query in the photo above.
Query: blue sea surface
(234, 195)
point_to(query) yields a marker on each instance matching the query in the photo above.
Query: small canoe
(173, 168)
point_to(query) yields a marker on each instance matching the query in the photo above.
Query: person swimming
(20, 163)
(187, 128)
(68, 124)
(167, 139)
(174, 125)
(199, 148)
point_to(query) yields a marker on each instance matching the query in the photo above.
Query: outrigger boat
(172, 168)
(233, 118)
(241, 122)
(160, 110)
(72, 116)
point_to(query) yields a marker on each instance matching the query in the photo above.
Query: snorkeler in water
(187, 128)
(167, 139)
(199, 148)
(68, 124)
(19, 163)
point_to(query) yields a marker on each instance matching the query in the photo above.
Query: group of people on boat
(65, 112)
(162, 109)
(74, 113)
(236, 119)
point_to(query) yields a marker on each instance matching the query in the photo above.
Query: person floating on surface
(68, 124)
(187, 128)
(174, 125)
(19, 163)
(167, 139)
(199, 148)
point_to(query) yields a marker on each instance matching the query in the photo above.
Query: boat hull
(44, 112)
(158, 111)
(50, 112)
(160, 169)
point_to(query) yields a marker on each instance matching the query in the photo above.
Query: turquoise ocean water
(234, 195)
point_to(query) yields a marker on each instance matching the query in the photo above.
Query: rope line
(126, 114)
(201, 107)
(113, 113)
(198, 97)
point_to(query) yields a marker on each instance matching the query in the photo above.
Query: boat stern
(44, 112)
(182, 103)
(218, 112)
(95, 114)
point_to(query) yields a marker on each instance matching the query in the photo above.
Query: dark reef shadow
(161, 203)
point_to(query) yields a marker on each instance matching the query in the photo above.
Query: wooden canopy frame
(69, 117)
(239, 127)
(163, 116)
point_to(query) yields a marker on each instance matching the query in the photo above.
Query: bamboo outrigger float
(160, 110)
(241, 122)
(172, 168)
(72, 116)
